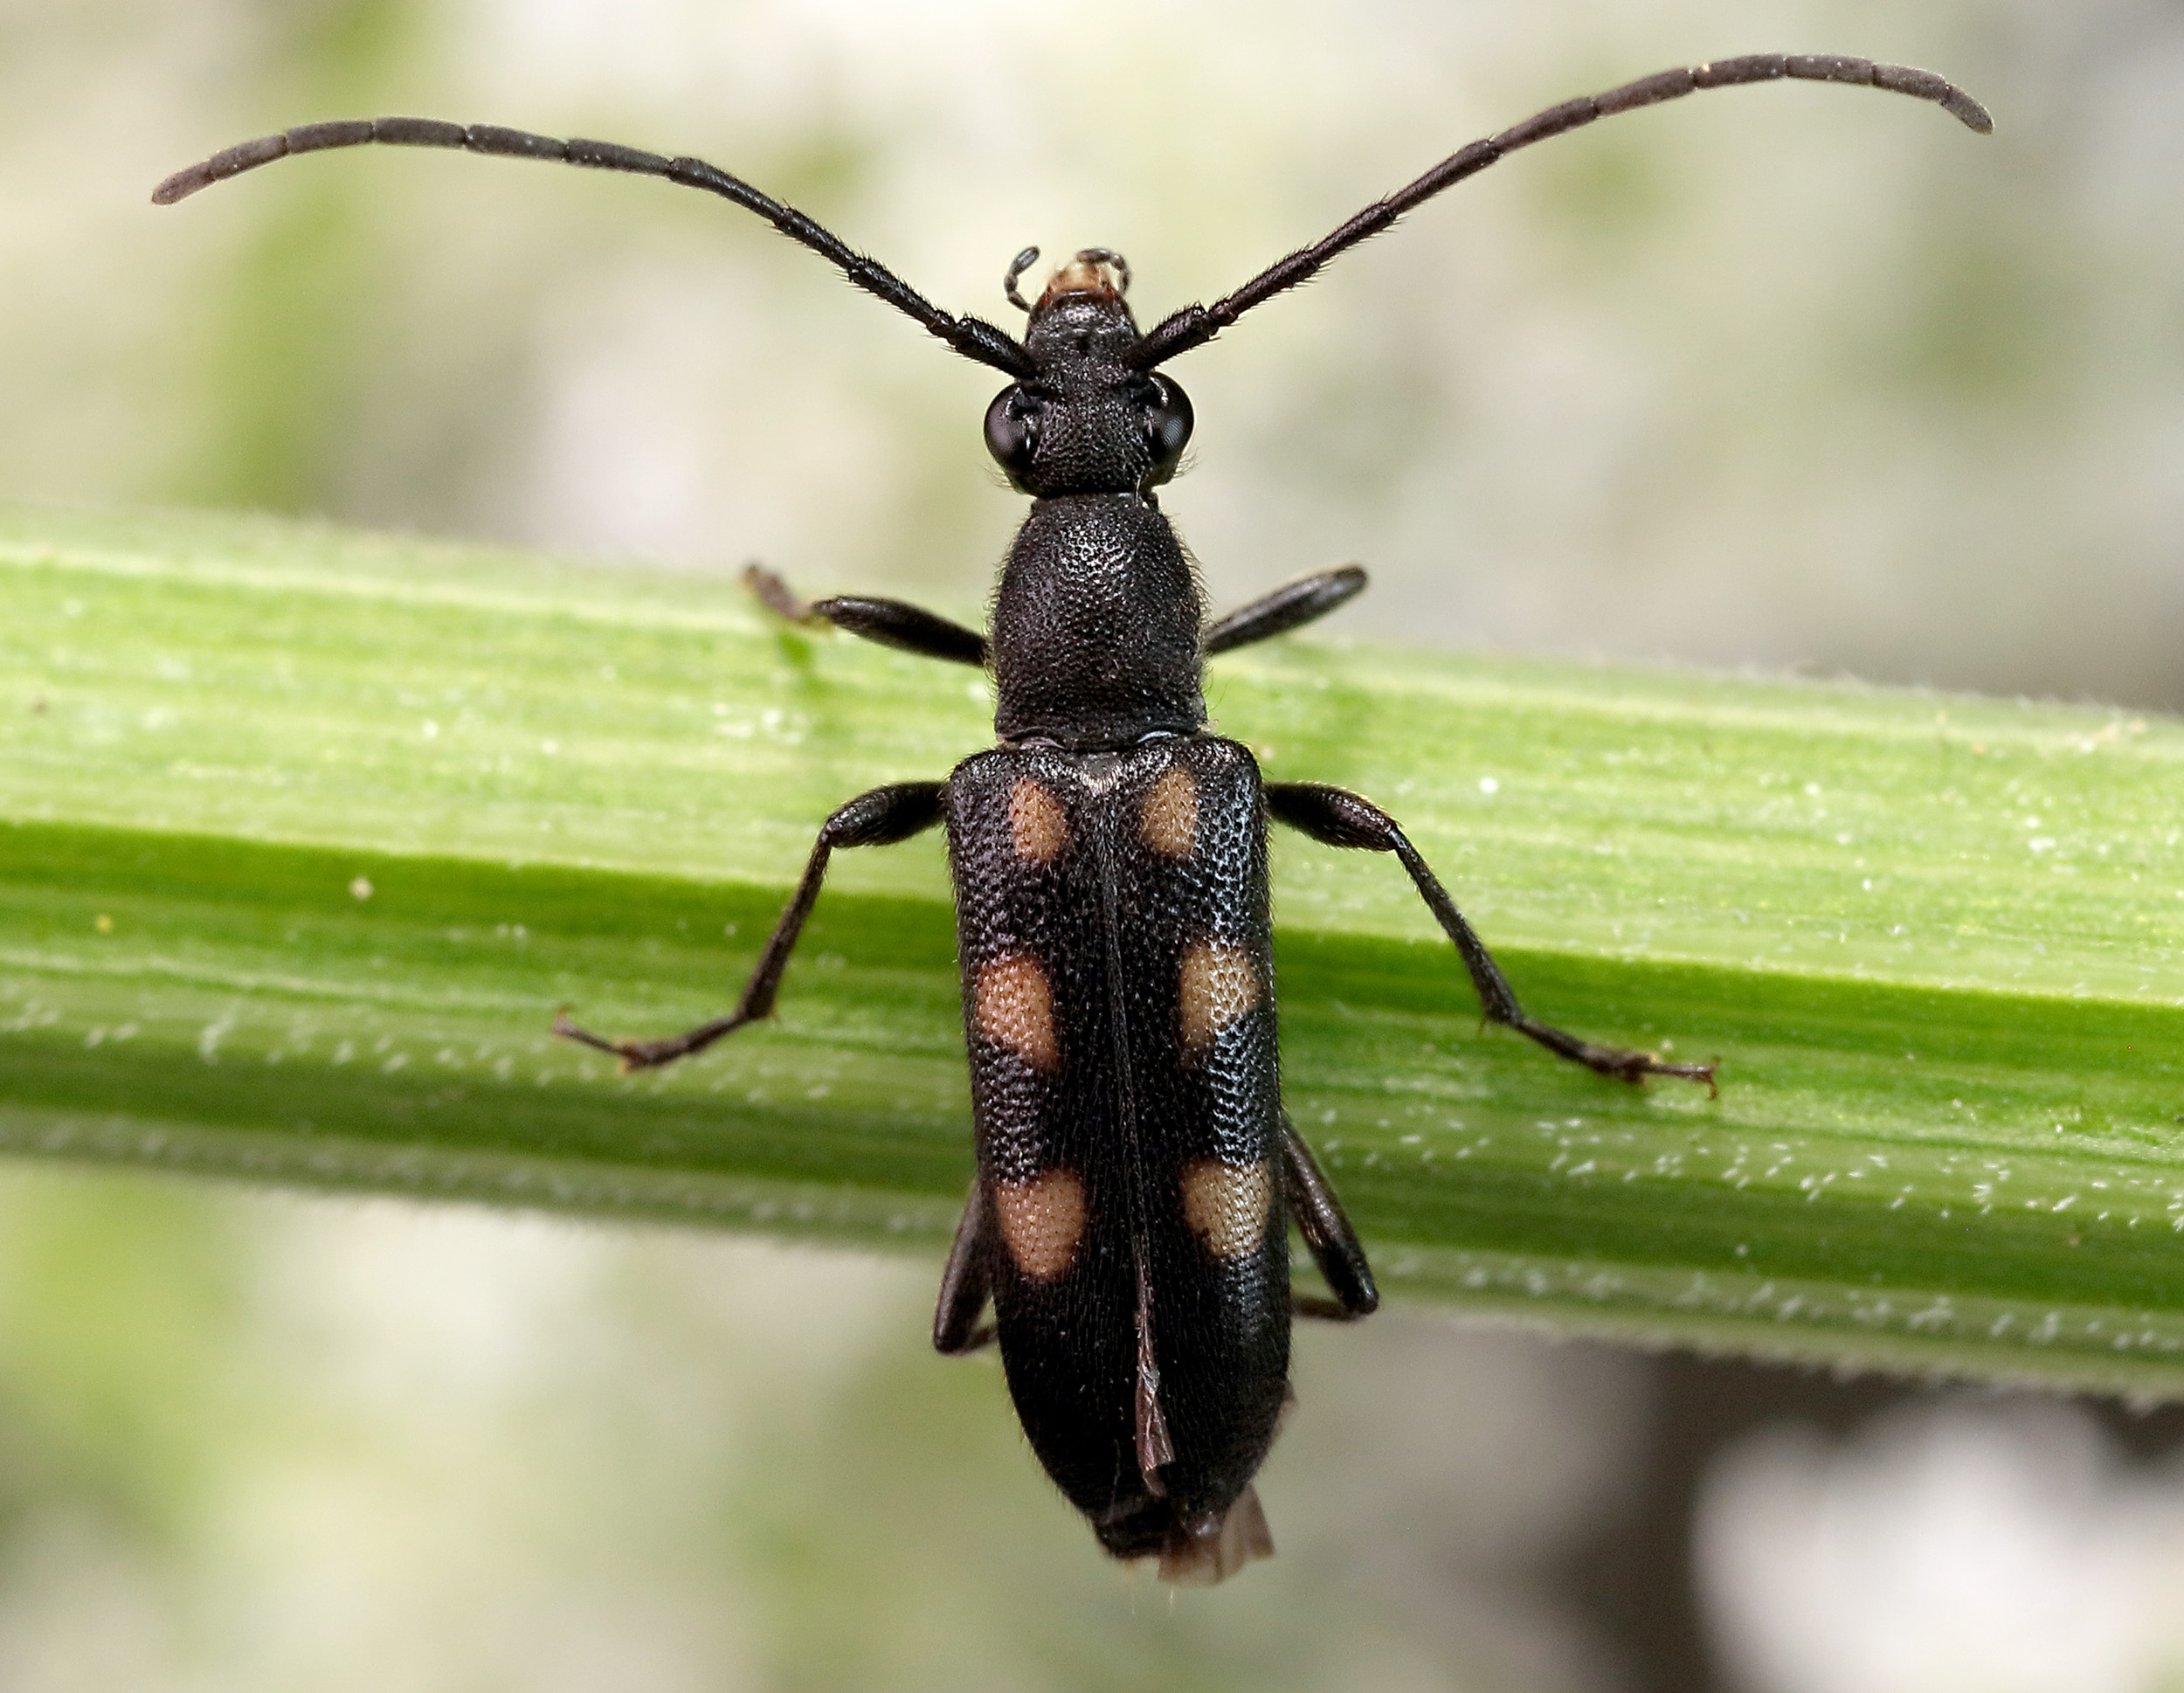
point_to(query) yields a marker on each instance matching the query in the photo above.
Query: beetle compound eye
(1168, 420)
(1011, 431)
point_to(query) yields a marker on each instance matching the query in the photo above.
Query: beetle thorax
(1096, 626)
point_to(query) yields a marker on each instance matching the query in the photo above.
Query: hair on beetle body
(1137, 1176)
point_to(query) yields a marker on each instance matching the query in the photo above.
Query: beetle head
(1085, 422)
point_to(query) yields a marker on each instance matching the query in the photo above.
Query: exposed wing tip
(1204, 1553)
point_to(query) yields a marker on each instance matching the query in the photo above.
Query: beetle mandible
(1137, 1175)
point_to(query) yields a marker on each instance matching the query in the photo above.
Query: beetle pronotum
(1137, 1174)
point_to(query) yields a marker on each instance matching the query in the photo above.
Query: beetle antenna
(1196, 325)
(972, 337)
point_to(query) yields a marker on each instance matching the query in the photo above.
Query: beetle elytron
(1137, 1173)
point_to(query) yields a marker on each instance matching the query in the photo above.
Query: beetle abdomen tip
(1209, 1550)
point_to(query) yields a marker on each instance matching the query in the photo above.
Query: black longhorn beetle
(1136, 1172)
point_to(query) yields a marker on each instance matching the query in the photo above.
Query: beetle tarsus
(568, 1030)
(890, 622)
(770, 591)
(1624, 1064)
(649, 1054)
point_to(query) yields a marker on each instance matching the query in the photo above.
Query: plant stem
(309, 833)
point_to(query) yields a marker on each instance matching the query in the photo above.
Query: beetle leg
(1328, 1236)
(967, 1281)
(1288, 607)
(878, 818)
(1341, 819)
(890, 622)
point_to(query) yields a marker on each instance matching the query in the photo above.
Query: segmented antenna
(972, 337)
(1195, 325)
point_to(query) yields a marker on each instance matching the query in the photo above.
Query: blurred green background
(1787, 377)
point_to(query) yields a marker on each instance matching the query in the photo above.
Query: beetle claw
(568, 1030)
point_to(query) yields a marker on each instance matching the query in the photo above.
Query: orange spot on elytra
(1226, 1205)
(1037, 826)
(1219, 984)
(1169, 823)
(1015, 1009)
(1041, 1221)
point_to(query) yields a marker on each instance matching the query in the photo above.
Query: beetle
(1137, 1175)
